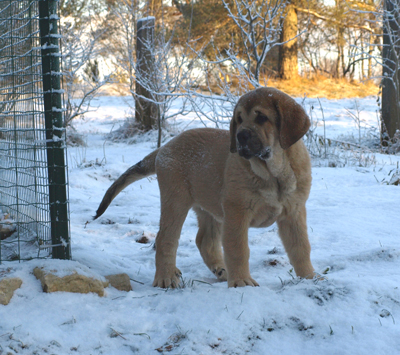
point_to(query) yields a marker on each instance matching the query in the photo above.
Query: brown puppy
(256, 174)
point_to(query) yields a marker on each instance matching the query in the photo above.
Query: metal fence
(34, 216)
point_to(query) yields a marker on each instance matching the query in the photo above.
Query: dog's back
(177, 164)
(180, 161)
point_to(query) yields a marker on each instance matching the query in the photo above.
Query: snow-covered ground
(354, 230)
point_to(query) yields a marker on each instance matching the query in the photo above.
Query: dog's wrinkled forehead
(267, 97)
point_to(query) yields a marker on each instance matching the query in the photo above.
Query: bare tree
(170, 71)
(169, 81)
(391, 67)
(146, 111)
(384, 51)
(260, 26)
(288, 59)
(80, 50)
(121, 42)
(239, 67)
(334, 32)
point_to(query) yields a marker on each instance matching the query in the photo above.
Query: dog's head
(266, 119)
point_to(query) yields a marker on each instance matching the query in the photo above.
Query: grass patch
(321, 86)
(317, 86)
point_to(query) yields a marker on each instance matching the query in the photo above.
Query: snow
(148, 18)
(354, 230)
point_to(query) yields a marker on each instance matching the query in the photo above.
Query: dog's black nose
(243, 136)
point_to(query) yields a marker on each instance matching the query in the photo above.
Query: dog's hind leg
(208, 240)
(175, 204)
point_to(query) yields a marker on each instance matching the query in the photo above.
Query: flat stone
(120, 282)
(7, 288)
(75, 283)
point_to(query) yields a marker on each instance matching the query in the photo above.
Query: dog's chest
(265, 215)
(266, 207)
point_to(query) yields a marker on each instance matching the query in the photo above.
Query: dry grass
(318, 86)
(321, 86)
(115, 89)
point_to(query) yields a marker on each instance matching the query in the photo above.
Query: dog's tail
(144, 168)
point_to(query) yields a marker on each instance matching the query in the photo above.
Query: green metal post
(48, 24)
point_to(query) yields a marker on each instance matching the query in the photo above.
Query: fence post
(48, 24)
(145, 110)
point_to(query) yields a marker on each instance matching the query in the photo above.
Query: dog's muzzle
(249, 146)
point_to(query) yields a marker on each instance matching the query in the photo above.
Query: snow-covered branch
(81, 77)
(238, 68)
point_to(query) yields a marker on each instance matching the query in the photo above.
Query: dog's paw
(166, 279)
(221, 273)
(242, 282)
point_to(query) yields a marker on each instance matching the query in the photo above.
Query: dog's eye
(239, 120)
(261, 118)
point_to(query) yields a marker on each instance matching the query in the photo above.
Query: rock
(7, 288)
(71, 283)
(7, 226)
(120, 282)
(143, 240)
(7, 230)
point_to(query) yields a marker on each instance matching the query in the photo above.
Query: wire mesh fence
(33, 187)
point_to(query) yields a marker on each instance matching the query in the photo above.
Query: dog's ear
(293, 122)
(232, 131)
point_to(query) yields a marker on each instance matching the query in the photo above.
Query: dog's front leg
(293, 233)
(236, 248)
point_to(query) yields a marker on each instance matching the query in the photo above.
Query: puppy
(254, 175)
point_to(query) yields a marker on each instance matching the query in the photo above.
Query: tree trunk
(288, 65)
(370, 50)
(391, 71)
(146, 112)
